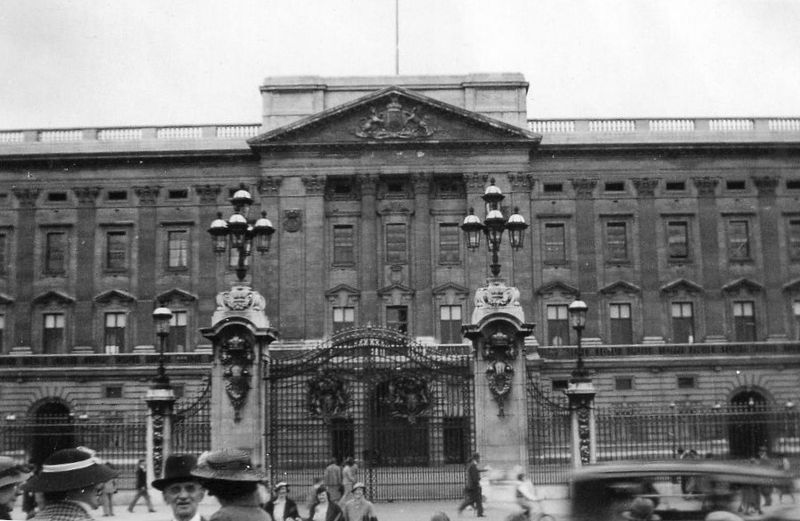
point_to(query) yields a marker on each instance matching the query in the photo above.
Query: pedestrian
(473, 495)
(71, 482)
(107, 498)
(349, 478)
(323, 508)
(440, 516)
(765, 491)
(28, 496)
(229, 475)
(11, 476)
(788, 488)
(280, 507)
(358, 508)
(332, 479)
(141, 487)
(312, 494)
(526, 495)
(182, 491)
(642, 509)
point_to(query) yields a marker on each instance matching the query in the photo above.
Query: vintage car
(678, 489)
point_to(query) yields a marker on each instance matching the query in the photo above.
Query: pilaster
(708, 221)
(147, 228)
(314, 232)
(269, 281)
(368, 249)
(774, 274)
(586, 241)
(85, 276)
(648, 256)
(207, 287)
(421, 257)
(26, 239)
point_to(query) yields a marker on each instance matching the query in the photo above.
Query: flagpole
(397, 37)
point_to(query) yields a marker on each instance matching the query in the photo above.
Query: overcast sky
(67, 63)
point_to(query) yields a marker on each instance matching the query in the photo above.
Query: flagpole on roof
(397, 37)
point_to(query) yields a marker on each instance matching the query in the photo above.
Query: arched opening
(51, 430)
(748, 425)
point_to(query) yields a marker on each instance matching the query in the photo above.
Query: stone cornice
(584, 187)
(645, 186)
(269, 185)
(86, 194)
(766, 184)
(706, 186)
(208, 193)
(314, 184)
(147, 194)
(26, 196)
(475, 182)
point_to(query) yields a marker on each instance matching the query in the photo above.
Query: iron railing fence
(549, 435)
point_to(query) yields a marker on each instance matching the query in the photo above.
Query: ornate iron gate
(404, 411)
(549, 435)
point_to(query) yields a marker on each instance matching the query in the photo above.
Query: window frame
(734, 243)
(400, 309)
(178, 315)
(445, 247)
(682, 304)
(793, 238)
(115, 349)
(744, 325)
(344, 312)
(122, 248)
(402, 255)
(560, 322)
(609, 245)
(186, 249)
(678, 224)
(60, 342)
(449, 333)
(335, 259)
(562, 258)
(612, 321)
(48, 268)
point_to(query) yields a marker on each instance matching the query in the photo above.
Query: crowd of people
(72, 483)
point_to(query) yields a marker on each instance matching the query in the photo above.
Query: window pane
(617, 241)
(682, 322)
(397, 318)
(3, 254)
(621, 327)
(738, 240)
(116, 250)
(53, 333)
(794, 239)
(744, 322)
(343, 318)
(554, 243)
(343, 245)
(449, 250)
(114, 333)
(677, 240)
(450, 324)
(396, 249)
(55, 252)
(178, 248)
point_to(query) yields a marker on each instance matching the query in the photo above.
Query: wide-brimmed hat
(176, 468)
(69, 469)
(227, 465)
(641, 509)
(359, 484)
(280, 484)
(11, 473)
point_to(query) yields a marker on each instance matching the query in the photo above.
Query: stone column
(84, 277)
(587, 240)
(314, 231)
(648, 248)
(581, 393)
(369, 306)
(422, 276)
(773, 269)
(147, 229)
(26, 237)
(160, 400)
(708, 220)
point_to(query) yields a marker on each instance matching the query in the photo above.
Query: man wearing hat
(228, 474)
(280, 507)
(642, 509)
(358, 508)
(11, 475)
(473, 495)
(182, 491)
(71, 482)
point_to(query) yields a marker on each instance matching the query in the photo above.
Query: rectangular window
(396, 247)
(55, 253)
(115, 333)
(617, 241)
(116, 251)
(397, 318)
(3, 254)
(623, 383)
(794, 239)
(678, 240)
(738, 240)
(177, 340)
(744, 321)
(676, 186)
(557, 325)
(450, 324)
(555, 249)
(682, 322)
(796, 312)
(449, 245)
(621, 326)
(551, 188)
(113, 391)
(178, 248)
(344, 245)
(343, 318)
(53, 333)
(2, 332)
(686, 382)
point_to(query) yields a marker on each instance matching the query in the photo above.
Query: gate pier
(240, 333)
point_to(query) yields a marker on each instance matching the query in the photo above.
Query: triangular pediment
(620, 286)
(450, 287)
(114, 294)
(395, 288)
(743, 285)
(557, 286)
(342, 288)
(57, 297)
(792, 286)
(176, 295)
(676, 286)
(393, 116)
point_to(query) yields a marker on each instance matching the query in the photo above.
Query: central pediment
(394, 116)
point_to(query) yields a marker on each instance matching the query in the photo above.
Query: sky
(89, 63)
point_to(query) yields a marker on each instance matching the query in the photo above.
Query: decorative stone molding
(115, 296)
(394, 208)
(494, 296)
(681, 285)
(396, 294)
(315, 184)
(208, 193)
(86, 194)
(236, 356)
(706, 186)
(645, 186)
(368, 184)
(176, 295)
(476, 183)
(147, 194)
(327, 396)
(240, 298)
(766, 185)
(26, 196)
(584, 187)
(620, 286)
(500, 351)
(521, 182)
(742, 286)
(421, 183)
(292, 220)
(407, 397)
(395, 122)
(269, 185)
(54, 297)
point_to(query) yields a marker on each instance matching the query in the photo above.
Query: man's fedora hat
(227, 465)
(359, 484)
(11, 473)
(177, 468)
(69, 469)
(280, 484)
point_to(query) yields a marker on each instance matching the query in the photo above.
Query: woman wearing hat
(230, 477)
(324, 509)
(358, 508)
(280, 507)
(71, 482)
(642, 509)
(11, 475)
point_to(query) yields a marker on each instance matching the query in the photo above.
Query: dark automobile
(674, 490)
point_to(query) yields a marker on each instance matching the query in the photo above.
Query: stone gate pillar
(497, 331)
(240, 333)
(581, 393)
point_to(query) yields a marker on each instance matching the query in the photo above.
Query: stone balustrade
(20, 361)
(679, 350)
(194, 132)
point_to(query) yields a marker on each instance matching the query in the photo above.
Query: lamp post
(493, 226)
(238, 232)
(161, 318)
(160, 400)
(577, 315)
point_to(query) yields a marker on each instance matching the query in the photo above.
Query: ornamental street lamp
(577, 315)
(161, 318)
(493, 226)
(238, 233)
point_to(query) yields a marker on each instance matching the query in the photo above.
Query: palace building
(681, 235)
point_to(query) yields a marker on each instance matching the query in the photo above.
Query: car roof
(729, 472)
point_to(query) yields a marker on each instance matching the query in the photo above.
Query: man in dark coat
(141, 488)
(473, 495)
